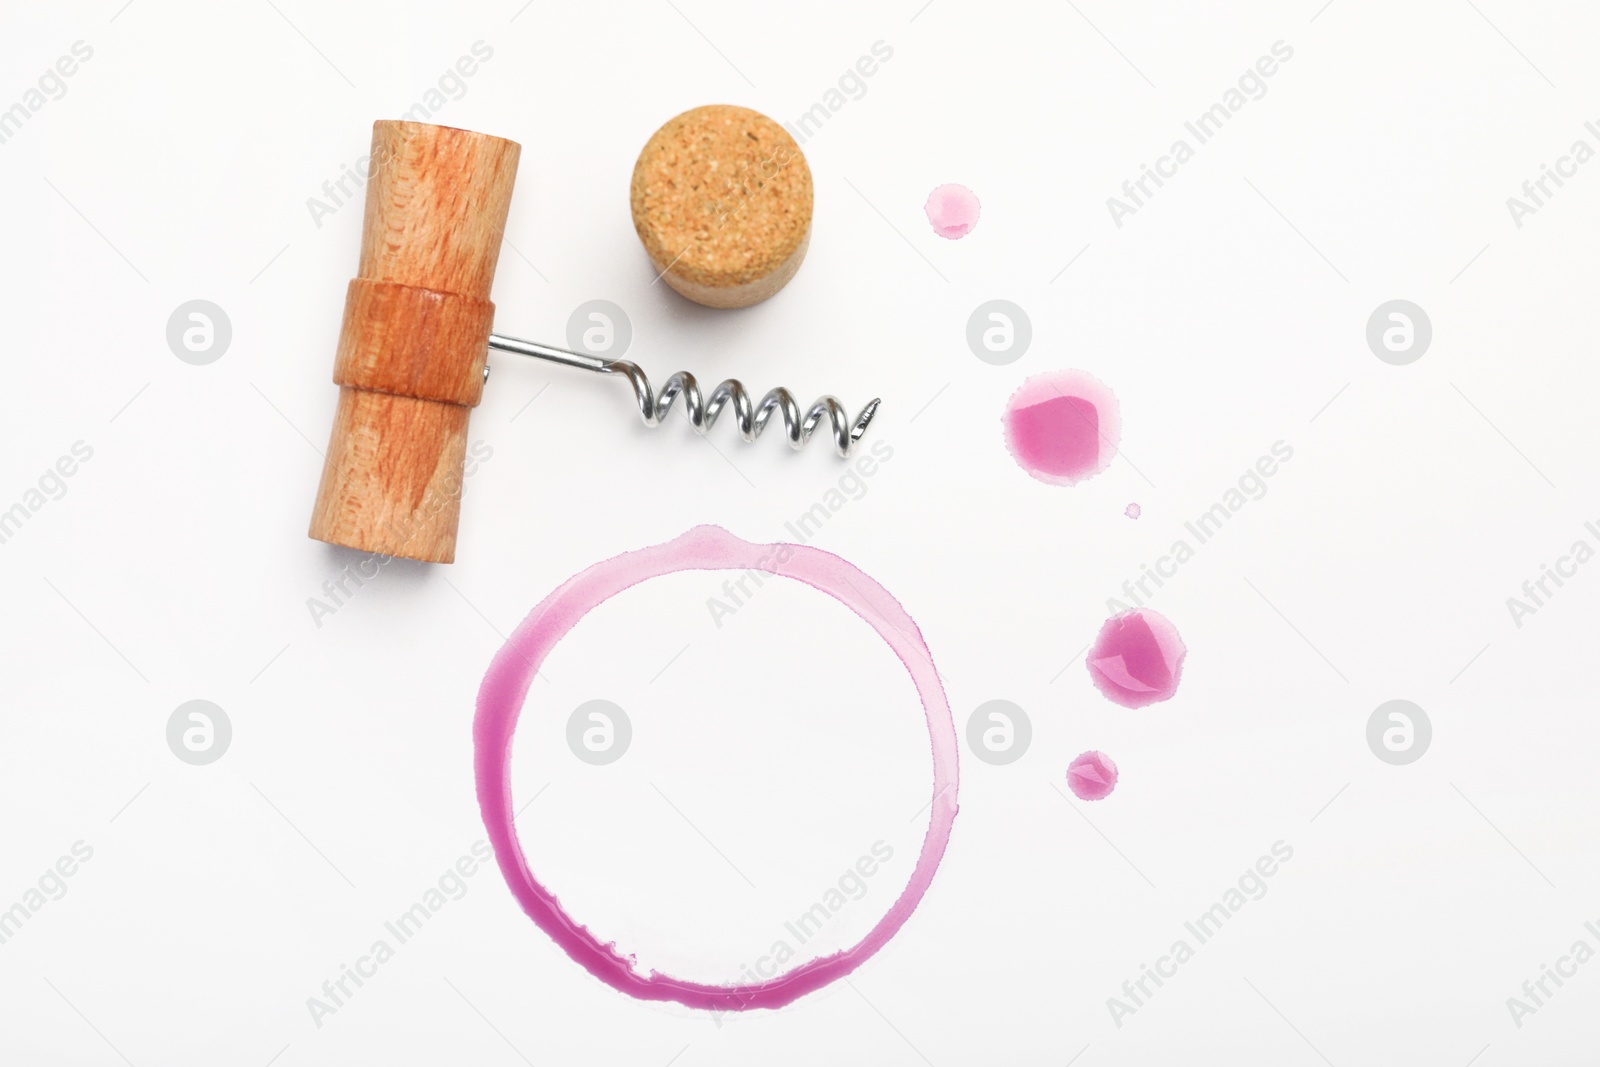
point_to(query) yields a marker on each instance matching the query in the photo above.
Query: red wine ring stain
(710, 548)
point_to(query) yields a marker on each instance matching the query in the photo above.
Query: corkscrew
(702, 411)
(413, 349)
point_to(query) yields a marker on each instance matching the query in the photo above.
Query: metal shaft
(546, 352)
(702, 411)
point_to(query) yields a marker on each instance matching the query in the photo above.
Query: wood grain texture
(413, 343)
(395, 475)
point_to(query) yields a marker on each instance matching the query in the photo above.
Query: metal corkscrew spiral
(702, 411)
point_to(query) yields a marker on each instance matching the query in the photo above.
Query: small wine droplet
(1137, 659)
(1063, 426)
(1092, 776)
(952, 211)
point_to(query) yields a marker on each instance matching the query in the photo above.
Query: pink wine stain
(1137, 659)
(1063, 426)
(1133, 511)
(952, 211)
(706, 548)
(1092, 776)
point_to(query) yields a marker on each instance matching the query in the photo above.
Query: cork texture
(721, 197)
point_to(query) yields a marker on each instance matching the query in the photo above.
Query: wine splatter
(1137, 658)
(1063, 426)
(710, 548)
(952, 211)
(1092, 776)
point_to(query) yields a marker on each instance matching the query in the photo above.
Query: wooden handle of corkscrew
(412, 349)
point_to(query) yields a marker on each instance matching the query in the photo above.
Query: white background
(1227, 314)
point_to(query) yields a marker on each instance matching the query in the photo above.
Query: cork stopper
(721, 198)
